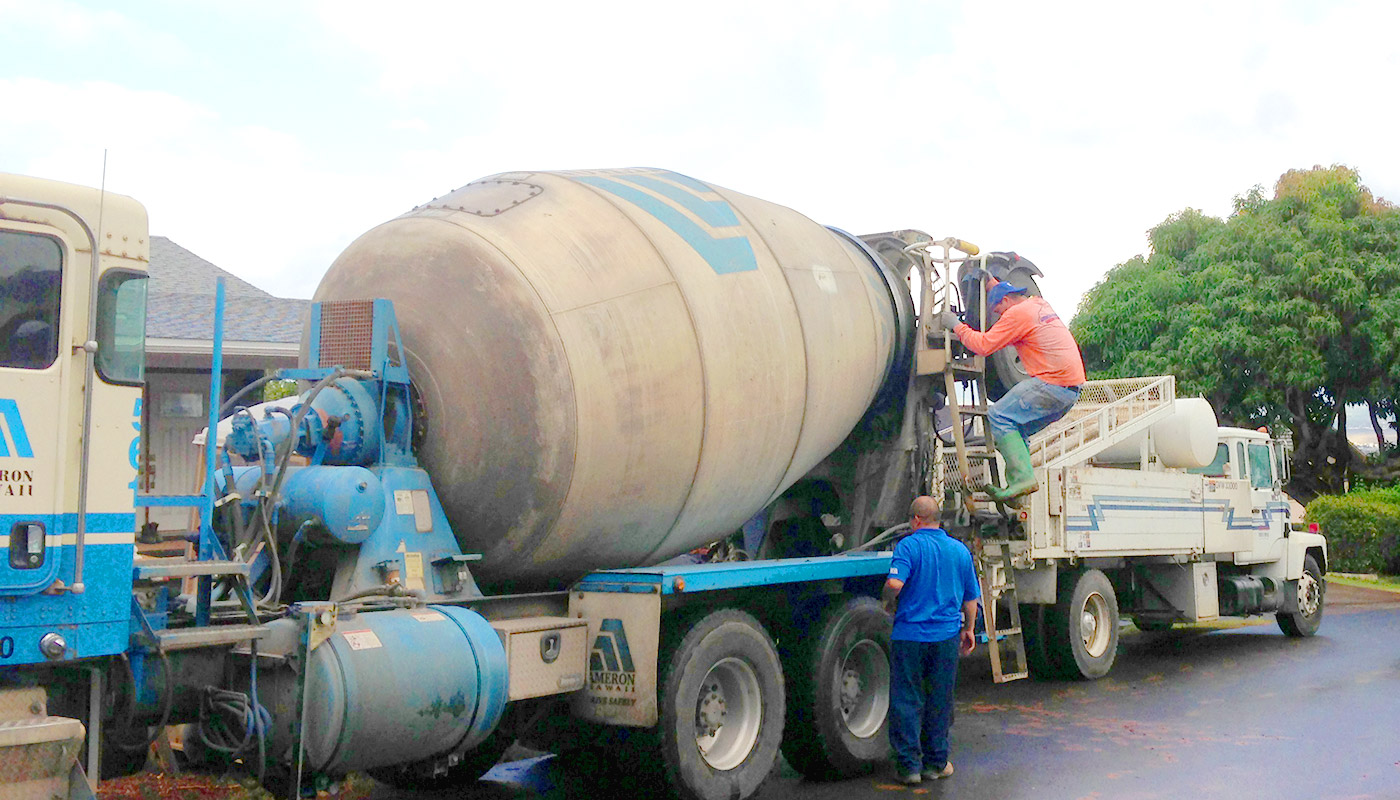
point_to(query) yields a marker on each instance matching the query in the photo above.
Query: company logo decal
(716, 237)
(12, 433)
(612, 677)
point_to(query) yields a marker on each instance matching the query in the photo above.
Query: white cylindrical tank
(1184, 440)
(618, 366)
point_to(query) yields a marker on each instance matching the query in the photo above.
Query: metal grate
(347, 334)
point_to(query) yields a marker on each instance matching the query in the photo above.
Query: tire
(1081, 630)
(838, 681)
(1310, 589)
(722, 708)
(437, 773)
(1033, 634)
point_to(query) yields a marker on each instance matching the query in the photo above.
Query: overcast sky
(265, 136)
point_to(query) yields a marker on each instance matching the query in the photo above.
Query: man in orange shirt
(1050, 355)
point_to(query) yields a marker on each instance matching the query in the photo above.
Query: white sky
(264, 135)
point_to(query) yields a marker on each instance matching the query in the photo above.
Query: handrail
(1108, 412)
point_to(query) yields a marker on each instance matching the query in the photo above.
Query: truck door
(32, 409)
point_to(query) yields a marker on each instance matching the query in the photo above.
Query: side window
(1261, 467)
(121, 327)
(31, 276)
(1240, 463)
(1217, 468)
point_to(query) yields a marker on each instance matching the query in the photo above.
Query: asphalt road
(1238, 712)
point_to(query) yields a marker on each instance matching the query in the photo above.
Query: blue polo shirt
(938, 578)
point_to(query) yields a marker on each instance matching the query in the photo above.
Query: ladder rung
(149, 570)
(1008, 632)
(210, 635)
(974, 411)
(1006, 677)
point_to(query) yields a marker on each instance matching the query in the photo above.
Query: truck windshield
(31, 272)
(1261, 466)
(121, 327)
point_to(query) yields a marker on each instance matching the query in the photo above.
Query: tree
(1280, 315)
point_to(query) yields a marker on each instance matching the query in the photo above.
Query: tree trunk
(1376, 426)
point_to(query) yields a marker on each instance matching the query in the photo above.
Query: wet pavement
(1237, 711)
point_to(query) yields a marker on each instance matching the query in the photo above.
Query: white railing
(1108, 412)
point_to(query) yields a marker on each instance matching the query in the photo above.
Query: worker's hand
(948, 321)
(966, 643)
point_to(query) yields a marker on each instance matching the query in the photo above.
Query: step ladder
(998, 581)
(965, 467)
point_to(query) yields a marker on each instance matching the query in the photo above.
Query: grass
(1388, 583)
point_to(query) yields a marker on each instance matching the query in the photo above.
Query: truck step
(208, 636)
(170, 568)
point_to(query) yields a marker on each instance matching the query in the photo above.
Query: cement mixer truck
(524, 405)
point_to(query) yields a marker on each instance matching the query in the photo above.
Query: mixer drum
(618, 366)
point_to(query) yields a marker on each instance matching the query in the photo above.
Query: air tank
(1184, 440)
(618, 366)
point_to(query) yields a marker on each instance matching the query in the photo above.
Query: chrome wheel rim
(728, 714)
(865, 689)
(1309, 594)
(1094, 625)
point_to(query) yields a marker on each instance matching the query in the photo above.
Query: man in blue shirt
(934, 588)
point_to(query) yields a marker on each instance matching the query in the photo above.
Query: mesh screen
(347, 333)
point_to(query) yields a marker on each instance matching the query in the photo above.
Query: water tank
(617, 366)
(1185, 440)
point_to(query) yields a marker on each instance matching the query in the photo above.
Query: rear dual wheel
(722, 708)
(839, 692)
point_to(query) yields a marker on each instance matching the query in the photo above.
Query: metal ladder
(998, 581)
(994, 573)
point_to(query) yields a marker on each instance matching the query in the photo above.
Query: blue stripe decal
(715, 213)
(724, 254)
(117, 522)
(9, 409)
(1098, 509)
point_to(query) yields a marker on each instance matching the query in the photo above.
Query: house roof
(180, 302)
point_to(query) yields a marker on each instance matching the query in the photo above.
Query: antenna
(101, 206)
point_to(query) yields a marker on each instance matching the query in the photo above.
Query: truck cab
(72, 327)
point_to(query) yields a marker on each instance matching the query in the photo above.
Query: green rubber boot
(1020, 476)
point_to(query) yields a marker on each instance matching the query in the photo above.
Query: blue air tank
(618, 366)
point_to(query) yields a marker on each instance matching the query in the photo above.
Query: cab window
(31, 275)
(1217, 468)
(121, 327)
(1261, 467)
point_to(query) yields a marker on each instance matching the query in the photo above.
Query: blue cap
(1000, 291)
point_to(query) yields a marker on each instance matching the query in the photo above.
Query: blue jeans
(1029, 407)
(922, 677)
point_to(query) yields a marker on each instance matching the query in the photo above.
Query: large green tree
(1280, 315)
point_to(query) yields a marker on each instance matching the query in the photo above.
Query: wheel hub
(864, 698)
(728, 713)
(710, 714)
(1309, 594)
(1094, 625)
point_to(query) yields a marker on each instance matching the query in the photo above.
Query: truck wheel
(1308, 618)
(721, 708)
(1038, 653)
(1081, 631)
(839, 692)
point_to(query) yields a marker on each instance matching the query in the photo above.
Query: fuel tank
(618, 366)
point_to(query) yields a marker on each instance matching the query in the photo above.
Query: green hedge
(1362, 530)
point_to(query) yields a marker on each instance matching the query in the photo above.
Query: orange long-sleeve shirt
(1046, 346)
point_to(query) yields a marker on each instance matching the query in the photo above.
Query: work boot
(1020, 476)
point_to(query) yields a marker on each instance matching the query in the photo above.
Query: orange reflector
(679, 585)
